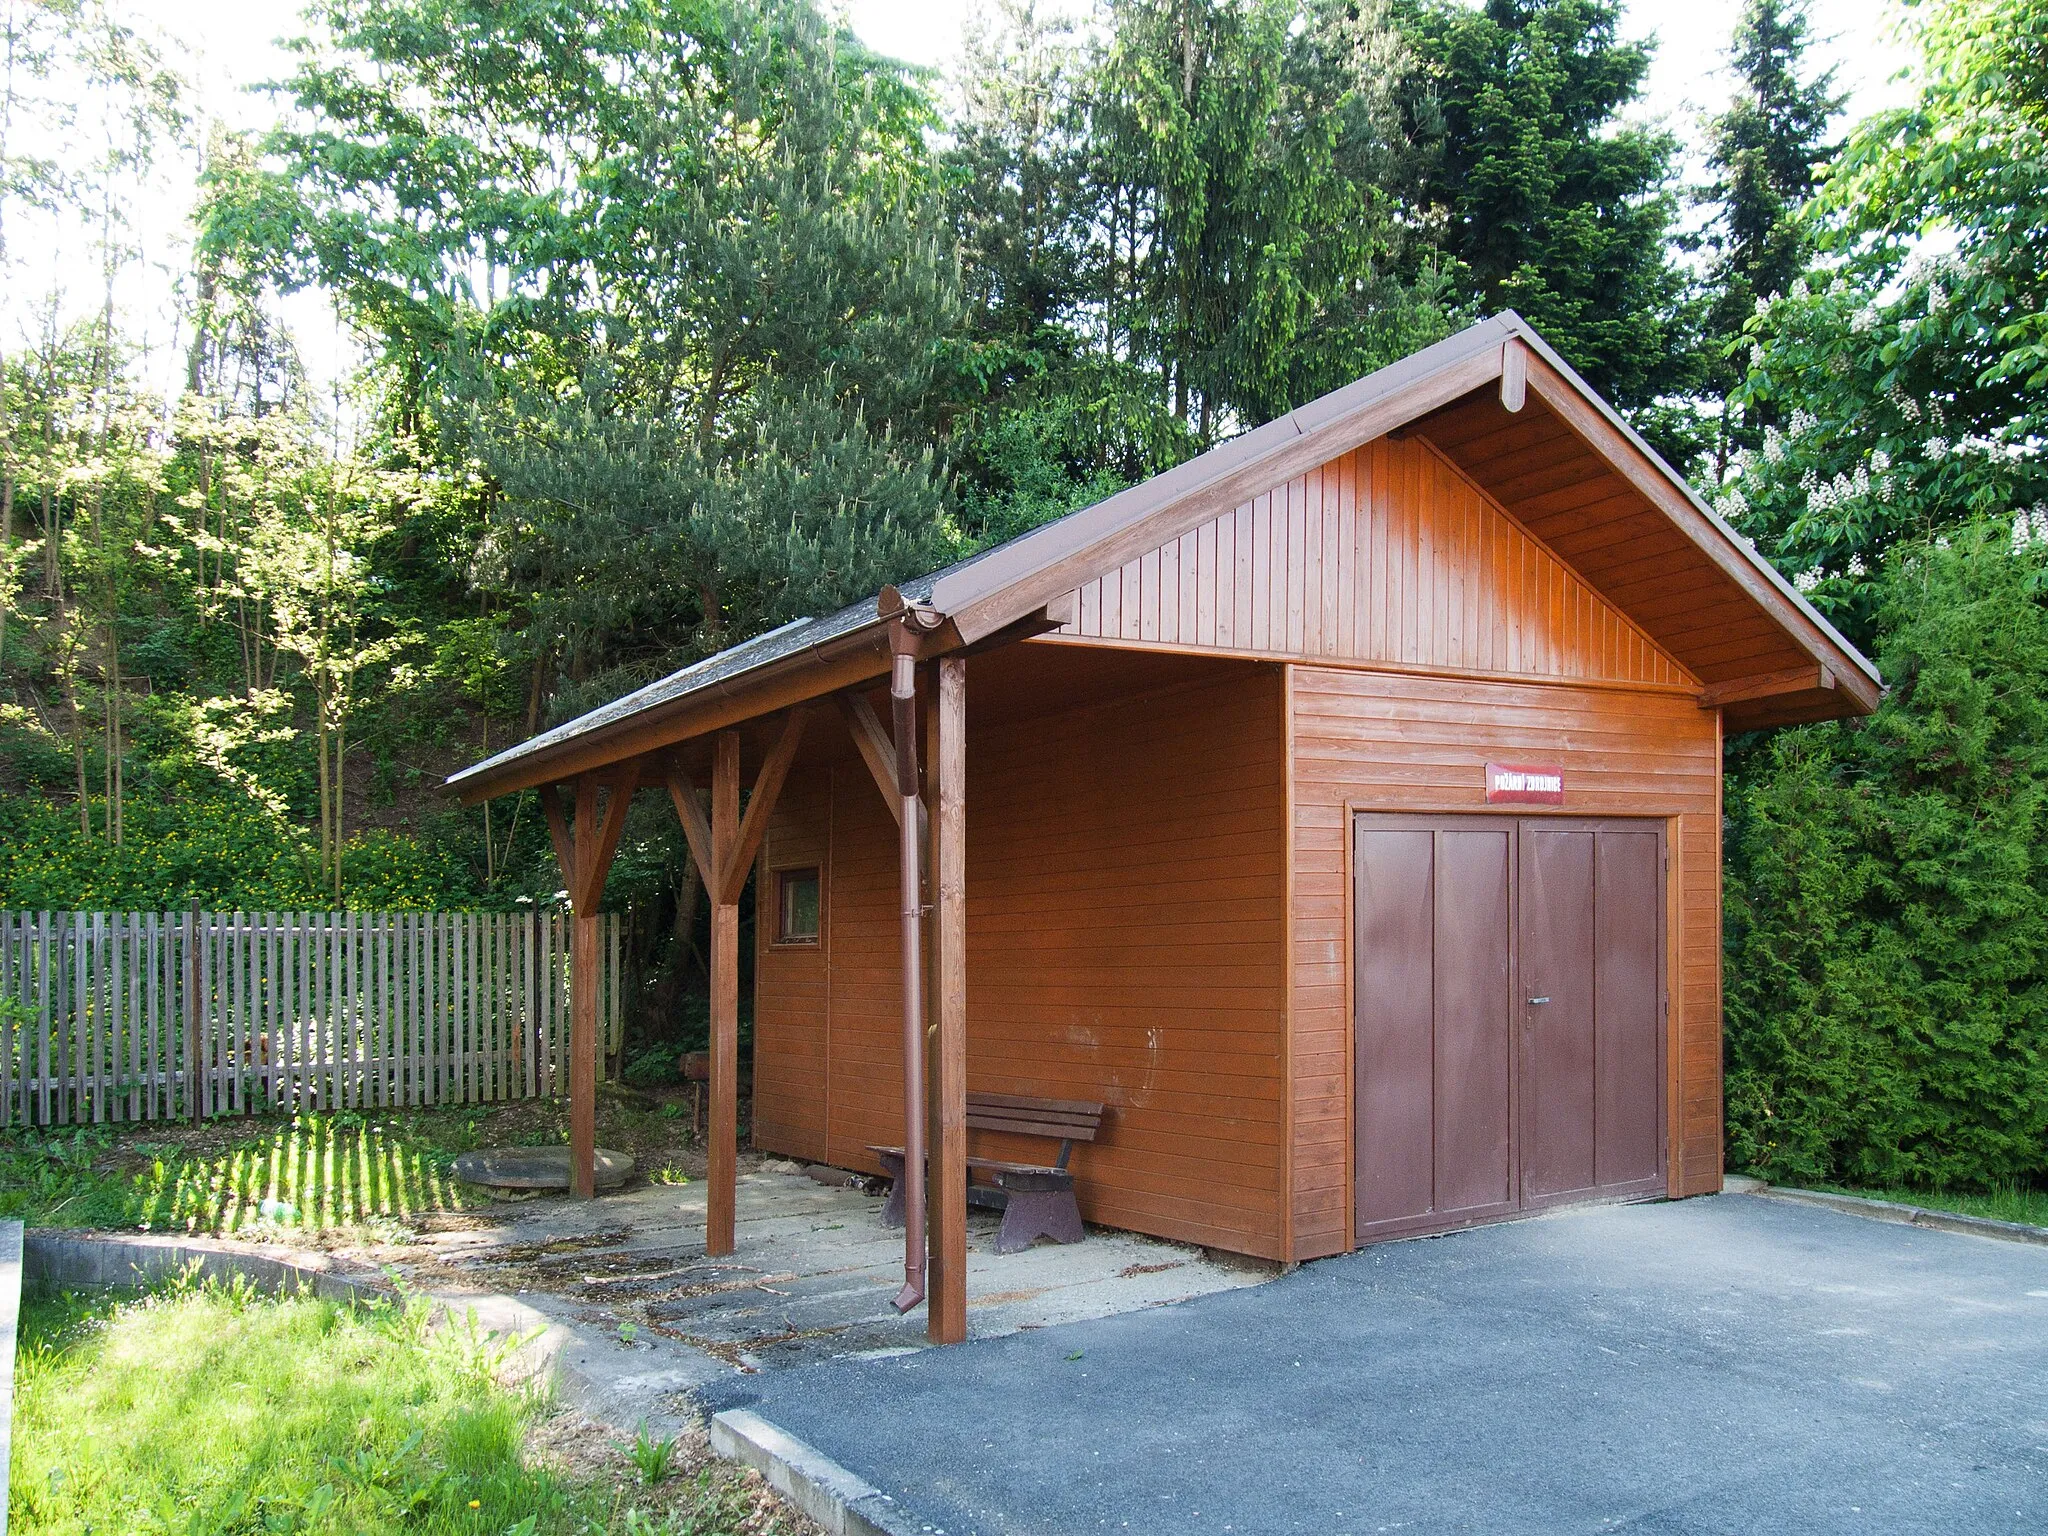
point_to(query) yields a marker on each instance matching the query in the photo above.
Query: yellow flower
(476, 1503)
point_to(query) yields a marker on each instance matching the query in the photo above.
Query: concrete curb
(842, 1503)
(55, 1259)
(1909, 1215)
(10, 1318)
(624, 1399)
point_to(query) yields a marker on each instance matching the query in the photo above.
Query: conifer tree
(1764, 152)
(1553, 204)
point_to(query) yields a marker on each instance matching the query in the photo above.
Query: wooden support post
(946, 1311)
(584, 846)
(723, 848)
(583, 1005)
(721, 1198)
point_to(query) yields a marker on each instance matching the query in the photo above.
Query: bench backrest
(1063, 1120)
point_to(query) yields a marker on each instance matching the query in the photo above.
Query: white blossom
(1731, 503)
(1937, 299)
(1865, 319)
(1774, 446)
(1806, 581)
(1856, 567)
(1880, 460)
(1799, 289)
(1763, 306)
(1803, 421)
(1937, 447)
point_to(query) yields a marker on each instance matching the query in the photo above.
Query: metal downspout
(903, 704)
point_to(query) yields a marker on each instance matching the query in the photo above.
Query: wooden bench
(1036, 1200)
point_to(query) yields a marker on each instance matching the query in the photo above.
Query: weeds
(654, 1459)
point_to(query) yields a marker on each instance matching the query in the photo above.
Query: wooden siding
(792, 982)
(1387, 555)
(1380, 741)
(1125, 884)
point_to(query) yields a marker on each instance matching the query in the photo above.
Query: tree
(1887, 990)
(751, 438)
(1764, 154)
(1174, 232)
(660, 286)
(1907, 367)
(1238, 151)
(1551, 204)
(1887, 972)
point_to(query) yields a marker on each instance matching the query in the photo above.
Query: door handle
(1539, 999)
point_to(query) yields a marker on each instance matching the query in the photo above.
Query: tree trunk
(6, 546)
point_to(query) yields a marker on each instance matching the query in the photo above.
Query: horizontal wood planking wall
(1389, 554)
(1381, 741)
(1125, 890)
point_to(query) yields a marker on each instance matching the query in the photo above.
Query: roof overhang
(1494, 368)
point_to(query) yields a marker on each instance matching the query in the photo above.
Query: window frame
(785, 878)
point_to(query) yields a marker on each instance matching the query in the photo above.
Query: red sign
(1521, 784)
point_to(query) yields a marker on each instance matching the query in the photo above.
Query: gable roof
(1598, 494)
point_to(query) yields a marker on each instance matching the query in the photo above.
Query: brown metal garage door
(1509, 1016)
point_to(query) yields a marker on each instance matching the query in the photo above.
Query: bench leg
(1032, 1214)
(892, 1213)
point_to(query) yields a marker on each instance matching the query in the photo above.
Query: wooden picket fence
(159, 1015)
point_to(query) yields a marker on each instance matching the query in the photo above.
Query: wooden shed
(1340, 808)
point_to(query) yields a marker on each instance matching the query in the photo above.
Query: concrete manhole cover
(536, 1167)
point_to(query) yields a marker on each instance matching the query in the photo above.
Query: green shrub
(1887, 959)
(223, 851)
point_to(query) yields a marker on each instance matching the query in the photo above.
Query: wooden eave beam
(608, 833)
(760, 806)
(1514, 375)
(696, 827)
(1771, 684)
(558, 831)
(876, 747)
(799, 678)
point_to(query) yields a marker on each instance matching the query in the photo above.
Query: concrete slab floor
(811, 1279)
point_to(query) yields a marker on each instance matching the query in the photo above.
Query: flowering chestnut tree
(1908, 369)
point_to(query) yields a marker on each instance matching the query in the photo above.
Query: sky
(231, 45)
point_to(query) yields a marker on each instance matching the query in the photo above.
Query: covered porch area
(887, 685)
(811, 1277)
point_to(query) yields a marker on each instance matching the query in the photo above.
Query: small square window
(796, 906)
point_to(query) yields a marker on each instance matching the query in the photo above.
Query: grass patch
(307, 1174)
(209, 1410)
(2010, 1203)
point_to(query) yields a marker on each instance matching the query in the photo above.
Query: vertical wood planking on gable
(1387, 555)
(1383, 741)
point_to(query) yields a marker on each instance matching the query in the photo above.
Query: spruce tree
(1553, 205)
(1763, 153)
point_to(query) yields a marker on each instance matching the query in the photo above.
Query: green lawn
(2011, 1203)
(208, 1410)
(305, 1174)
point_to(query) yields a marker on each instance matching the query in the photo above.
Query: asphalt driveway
(1720, 1365)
